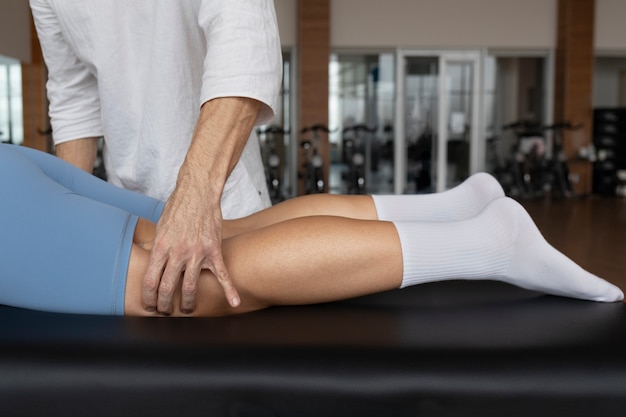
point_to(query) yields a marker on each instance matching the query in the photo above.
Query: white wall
(286, 15)
(15, 29)
(610, 26)
(526, 24)
(444, 23)
(606, 80)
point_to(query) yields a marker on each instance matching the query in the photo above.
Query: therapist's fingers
(189, 289)
(215, 263)
(167, 287)
(164, 272)
(162, 277)
(151, 281)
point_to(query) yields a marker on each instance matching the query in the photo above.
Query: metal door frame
(446, 57)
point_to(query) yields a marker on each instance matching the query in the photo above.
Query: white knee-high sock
(501, 243)
(461, 202)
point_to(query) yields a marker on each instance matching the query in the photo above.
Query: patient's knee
(210, 298)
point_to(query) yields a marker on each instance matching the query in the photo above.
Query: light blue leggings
(65, 235)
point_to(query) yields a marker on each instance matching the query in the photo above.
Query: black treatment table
(446, 349)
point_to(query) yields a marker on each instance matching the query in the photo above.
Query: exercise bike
(354, 156)
(313, 170)
(273, 161)
(558, 165)
(543, 170)
(507, 171)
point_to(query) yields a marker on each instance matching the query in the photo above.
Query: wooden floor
(590, 230)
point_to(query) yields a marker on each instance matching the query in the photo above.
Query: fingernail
(235, 302)
(150, 309)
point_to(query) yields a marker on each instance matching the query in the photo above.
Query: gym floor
(590, 230)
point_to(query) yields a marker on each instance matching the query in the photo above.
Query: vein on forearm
(221, 133)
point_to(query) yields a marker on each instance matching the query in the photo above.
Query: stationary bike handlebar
(525, 128)
(563, 126)
(529, 128)
(360, 128)
(317, 128)
(273, 129)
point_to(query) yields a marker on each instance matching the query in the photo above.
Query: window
(11, 119)
(362, 92)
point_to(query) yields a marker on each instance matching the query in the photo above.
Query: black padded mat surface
(445, 349)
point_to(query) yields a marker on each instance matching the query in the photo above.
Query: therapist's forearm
(81, 152)
(221, 133)
(189, 232)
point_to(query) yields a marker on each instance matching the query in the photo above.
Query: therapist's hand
(188, 239)
(189, 232)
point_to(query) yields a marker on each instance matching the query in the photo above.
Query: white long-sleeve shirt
(137, 71)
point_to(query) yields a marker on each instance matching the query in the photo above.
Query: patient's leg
(318, 259)
(502, 243)
(461, 202)
(300, 261)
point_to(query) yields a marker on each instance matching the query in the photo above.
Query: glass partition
(438, 128)
(515, 94)
(460, 93)
(11, 115)
(276, 143)
(421, 127)
(609, 81)
(361, 115)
